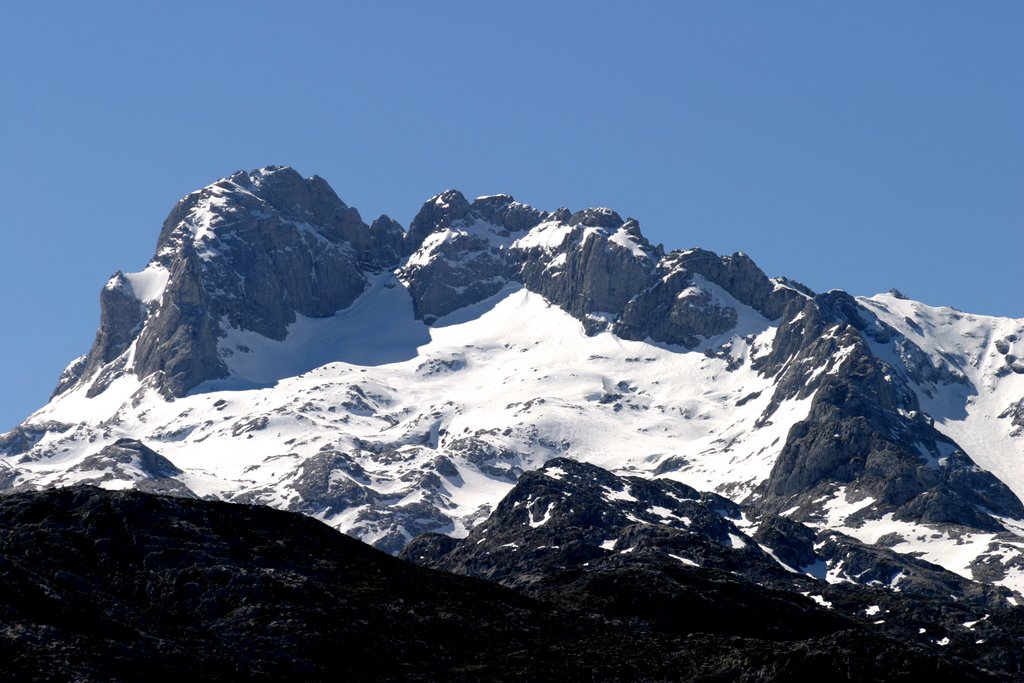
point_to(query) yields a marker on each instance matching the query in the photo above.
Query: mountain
(158, 585)
(279, 350)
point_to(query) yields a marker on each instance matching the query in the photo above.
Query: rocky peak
(599, 217)
(283, 188)
(278, 190)
(588, 262)
(437, 213)
(248, 252)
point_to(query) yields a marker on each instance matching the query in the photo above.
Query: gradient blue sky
(853, 145)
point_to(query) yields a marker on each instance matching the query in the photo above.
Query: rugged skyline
(844, 146)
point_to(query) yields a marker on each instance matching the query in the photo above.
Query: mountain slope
(677, 560)
(279, 350)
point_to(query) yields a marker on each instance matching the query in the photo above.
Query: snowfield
(514, 372)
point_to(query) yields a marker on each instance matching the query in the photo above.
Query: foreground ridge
(232, 591)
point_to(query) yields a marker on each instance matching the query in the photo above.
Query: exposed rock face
(24, 438)
(437, 214)
(866, 427)
(1015, 414)
(461, 250)
(592, 264)
(598, 274)
(388, 236)
(249, 252)
(121, 313)
(134, 453)
(180, 342)
(849, 433)
(740, 276)
(502, 210)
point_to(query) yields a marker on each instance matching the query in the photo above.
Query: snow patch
(685, 560)
(148, 285)
(543, 520)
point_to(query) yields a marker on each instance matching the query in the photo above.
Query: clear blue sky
(858, 145)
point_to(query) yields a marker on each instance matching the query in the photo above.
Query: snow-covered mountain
(279, 350)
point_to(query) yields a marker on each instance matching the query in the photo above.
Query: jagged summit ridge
(278, 350)
(253, 251)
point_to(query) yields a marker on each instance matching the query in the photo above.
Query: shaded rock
(24, 437)
(129, 460)
(438, 212)
(598, 276)
(504, 211)
(597, 218)
(388, 238)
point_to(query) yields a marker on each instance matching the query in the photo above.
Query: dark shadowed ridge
(119, 586)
